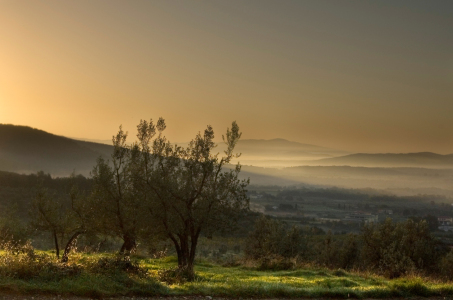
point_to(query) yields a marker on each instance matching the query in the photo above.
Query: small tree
(51, 213)
(47, 215)
(12, 229)
(114, 203)
(79, 219)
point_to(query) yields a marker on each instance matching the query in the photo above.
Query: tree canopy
(179, 192)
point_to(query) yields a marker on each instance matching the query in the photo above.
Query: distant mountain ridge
(26, 150)
(280, 152)
(421, 159)
(278, 142)
(282, 144)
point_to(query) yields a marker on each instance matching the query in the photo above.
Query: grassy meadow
(101, 275)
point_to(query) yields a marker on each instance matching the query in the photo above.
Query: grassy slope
(214, 280)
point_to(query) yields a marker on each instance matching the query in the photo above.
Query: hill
(280, 152)
(402, 180)
(27, 150)
(422, 159)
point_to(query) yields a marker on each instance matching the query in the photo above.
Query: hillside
(28, 150)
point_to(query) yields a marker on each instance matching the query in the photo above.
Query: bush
(117, 264)
(177, 275)
(396, 249)
(446, 266)
(272, 238)
(349, 253)
(276, 263)
(21, 262)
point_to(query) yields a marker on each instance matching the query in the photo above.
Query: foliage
(182, 191)
(117, 264)
(12, 230)
(390, 249)
(349, 252)
(274, 244)
(395, 249)
(175, 275)
(60, 218)
(115, 201)
(343, 254)
(22, 262)
(446, 266)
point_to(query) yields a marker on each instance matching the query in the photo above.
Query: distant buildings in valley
(445, 223)
(363, 217)
(385, 211)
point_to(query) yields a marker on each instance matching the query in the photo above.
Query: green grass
(215, 280)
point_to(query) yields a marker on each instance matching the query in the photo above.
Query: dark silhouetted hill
(27, 150)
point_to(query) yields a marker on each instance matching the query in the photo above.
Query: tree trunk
(186, 255)
(71, 243)
(57, 248)
(191, 260)
(129, 244)
(184, 245)
(177, 247)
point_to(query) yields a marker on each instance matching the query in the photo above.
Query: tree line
(390, 249)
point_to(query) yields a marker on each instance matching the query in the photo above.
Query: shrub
(395, 249)
(22, 262)
(446, 266)
(276, 263)
(272, 238)
(327, 252)
(117, 264)
(177, 275)
(349, 252)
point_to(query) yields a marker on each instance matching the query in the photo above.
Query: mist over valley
(266, 162)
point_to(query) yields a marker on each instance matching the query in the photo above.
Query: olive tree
(65, 220)
(114, 200)
(186, 190)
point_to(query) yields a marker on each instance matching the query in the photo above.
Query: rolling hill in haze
(279, 153)
(28, 150)
(401, 181)
(422, 159)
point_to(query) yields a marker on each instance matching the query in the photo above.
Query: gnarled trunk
(129, 244)
(186, 250)
(70, 245)
(57, 248)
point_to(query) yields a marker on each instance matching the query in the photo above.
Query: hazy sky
(368, 76)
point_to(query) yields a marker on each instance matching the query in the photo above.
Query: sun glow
(3, 109)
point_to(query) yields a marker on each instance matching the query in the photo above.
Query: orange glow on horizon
(327, 74)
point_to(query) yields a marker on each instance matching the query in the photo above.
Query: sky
(359, 76)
